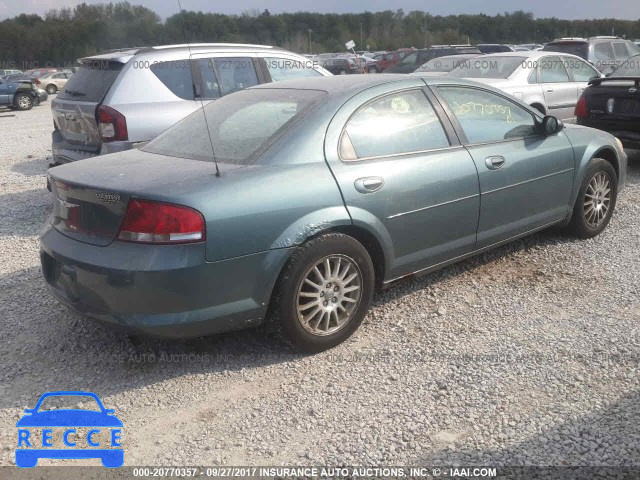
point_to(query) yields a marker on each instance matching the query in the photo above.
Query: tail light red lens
(37, 81)
(155, 222)
(581, 108)
(111, 124)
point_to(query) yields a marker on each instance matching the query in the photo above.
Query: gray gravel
(527, 355)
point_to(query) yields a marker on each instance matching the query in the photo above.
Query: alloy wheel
(597, 201)
(329, 294)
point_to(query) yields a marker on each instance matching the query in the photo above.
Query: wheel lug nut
(322, 294)
(335, 289)
(325, 303)
(328, 285)
(334, 299)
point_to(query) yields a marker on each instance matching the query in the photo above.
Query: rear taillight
(581, 108)
(37, 81)
(111, 124)
(155, 222)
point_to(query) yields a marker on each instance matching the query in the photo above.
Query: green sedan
(290, 203)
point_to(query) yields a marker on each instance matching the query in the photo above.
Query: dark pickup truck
(612, 104)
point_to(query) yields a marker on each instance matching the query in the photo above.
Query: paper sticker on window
(400, 105)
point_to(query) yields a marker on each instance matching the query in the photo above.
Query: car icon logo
(102, 439)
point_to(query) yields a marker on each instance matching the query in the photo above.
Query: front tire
(51, 89)
(324, 292)
(596, 200)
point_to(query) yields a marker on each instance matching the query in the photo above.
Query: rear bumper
(159, 290)
(65, 152)
(629, 138)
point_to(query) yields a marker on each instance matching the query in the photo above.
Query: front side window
(397, 123)
(288, 69)
(620, 50)
(580, 71)
(551, 70)
(487, 117)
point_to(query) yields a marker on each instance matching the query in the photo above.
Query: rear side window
(487, 117)
(240, 127)
(287, 69)
(234, 73)
(604, 51)
(176, 76)
(401, 122)
(91, 82)
(552, 70)
(620, 50)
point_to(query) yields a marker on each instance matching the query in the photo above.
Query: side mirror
(608, 74)
(551, 125)
(109, 411)
(29, 410)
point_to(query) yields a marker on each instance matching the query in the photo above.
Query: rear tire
(331, 275)
(23, 101)
(596, 200)
(51, 89)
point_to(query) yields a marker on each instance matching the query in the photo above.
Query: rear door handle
(549, 90)
(494, 162)
(369, 184)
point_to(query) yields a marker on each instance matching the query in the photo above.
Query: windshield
(630, 68)
(495, 67)
(240, 126)
(580, 49)
(91, 82)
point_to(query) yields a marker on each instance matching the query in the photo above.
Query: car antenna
(193, 86)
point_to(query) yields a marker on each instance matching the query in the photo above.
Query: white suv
(121, 99)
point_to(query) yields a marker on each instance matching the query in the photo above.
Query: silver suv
(605, 53)
(121, 99)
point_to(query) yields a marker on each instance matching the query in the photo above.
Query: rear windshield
(91, 82)
(239, 127)
(581, 49)
(445, 64)
(630, 68)
(494, 67)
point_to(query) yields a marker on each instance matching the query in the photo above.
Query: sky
(621, 9)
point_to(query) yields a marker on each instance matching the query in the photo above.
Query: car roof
(529, 54)
(124, 55)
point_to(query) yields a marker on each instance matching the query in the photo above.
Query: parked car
(54, 81)
(18, 95)
(549, 82)
(443, 65)
(612, 104)
(605, 53)
(185, 236)
(412, 61)
(342, 65)
(389, 59)
(41, 95)
(121, 99)
(494, 48)
(8, 71)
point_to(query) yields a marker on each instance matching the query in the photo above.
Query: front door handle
(368, 184)
(549, 90)
(494, 162)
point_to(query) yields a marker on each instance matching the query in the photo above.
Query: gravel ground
(527, 355)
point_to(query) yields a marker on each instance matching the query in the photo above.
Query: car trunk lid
(90, 197)
(614, 99)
